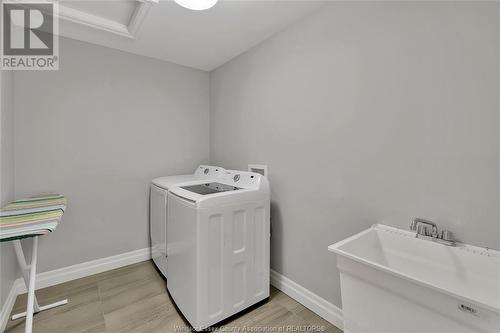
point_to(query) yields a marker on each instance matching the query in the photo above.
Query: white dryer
(218, 236)
(159, 206)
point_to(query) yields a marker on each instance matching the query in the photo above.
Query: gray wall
(98, 130)
(6, 137)
(8, 265)
(366, 113)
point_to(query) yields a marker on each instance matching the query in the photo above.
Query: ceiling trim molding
(139, 15)
(129, 30)
(93, 21)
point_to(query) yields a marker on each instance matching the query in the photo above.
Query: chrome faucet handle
(435, 233)
(447, 235)
(422, 230)
(413, 225)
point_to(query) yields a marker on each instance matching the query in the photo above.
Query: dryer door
(158, 227)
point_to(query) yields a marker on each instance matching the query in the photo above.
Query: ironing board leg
(29, 279)
(31, 287)
(24, 267)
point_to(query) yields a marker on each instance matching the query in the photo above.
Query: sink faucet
(419, 225)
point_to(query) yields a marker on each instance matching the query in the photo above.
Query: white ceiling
(199, 39)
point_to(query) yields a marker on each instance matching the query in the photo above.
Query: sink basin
(392, 281)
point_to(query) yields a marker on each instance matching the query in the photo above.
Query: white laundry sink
(392, 281)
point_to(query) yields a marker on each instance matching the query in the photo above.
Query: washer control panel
(243, 179)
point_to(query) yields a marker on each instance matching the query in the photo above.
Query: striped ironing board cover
(32, 216)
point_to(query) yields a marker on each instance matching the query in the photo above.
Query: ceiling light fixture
(196, 4)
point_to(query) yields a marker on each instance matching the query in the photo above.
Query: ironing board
(29, 218)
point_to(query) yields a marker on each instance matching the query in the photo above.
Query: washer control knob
(206, 171)
(236, 178)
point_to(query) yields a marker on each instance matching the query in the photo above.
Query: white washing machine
(218, 236)
(158, 209)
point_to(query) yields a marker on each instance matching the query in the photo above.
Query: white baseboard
(307, 298)
(69, 273)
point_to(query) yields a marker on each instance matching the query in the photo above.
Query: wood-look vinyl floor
(134, 299)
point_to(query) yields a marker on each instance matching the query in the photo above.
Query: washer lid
(169, 181)
(210, 188)
(208, 172)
